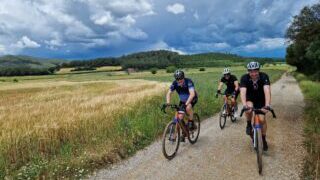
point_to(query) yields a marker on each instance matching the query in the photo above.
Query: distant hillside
(25, 65)
(164, 58)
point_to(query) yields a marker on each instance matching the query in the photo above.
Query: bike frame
(179, 124)
(257, 125)
(228, 103)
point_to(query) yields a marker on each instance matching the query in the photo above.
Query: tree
(303, 34)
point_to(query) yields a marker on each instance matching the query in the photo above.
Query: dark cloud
(111, 28)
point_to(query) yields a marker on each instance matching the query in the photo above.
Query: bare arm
(267, 94)
(169, 96)
(191, 96)
(220, 85)
(243, 93)
(236, 84)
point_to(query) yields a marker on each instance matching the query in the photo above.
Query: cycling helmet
(179, 74)
(253, 65)
(226, 71)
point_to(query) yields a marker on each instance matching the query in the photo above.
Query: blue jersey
(183, 90)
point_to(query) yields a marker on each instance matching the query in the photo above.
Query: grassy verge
(311, 93)
(71, 130)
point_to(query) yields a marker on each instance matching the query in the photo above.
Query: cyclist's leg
(249, 118)
(181, 110)
(190, 112)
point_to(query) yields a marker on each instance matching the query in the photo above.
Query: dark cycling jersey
(229, 82)
(255, 92)
(183, 90)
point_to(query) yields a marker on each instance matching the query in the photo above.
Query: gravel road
(227, 153)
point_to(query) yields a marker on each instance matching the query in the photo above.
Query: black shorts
(183, 106)
(228, 92)
(258, 104)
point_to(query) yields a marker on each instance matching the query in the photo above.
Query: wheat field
(39, 118)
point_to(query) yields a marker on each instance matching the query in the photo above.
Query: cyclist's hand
(247, 108)
(218, 91)
(266, 109)
(164, 106)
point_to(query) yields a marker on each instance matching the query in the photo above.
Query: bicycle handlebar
(259, 110)
(172, 106)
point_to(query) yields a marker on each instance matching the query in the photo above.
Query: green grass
(311, 93)
(132, 130)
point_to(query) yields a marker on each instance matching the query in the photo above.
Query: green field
(67, 125)
(311, 93)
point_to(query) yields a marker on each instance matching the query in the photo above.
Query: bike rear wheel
(222, 117)
(170, 140)
(259, 146)
(193, 135)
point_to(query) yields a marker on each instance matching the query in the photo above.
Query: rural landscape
(99, 116)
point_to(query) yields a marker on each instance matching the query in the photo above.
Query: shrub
(153, 70)
(202, 69)
(171, 69)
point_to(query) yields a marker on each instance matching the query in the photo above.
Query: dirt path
(228, 154)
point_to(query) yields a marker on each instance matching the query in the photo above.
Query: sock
(249, 123)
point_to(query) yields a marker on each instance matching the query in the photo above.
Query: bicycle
(171, 135)
(227, 110)
(257, 133)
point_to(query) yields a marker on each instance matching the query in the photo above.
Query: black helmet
(178, 75)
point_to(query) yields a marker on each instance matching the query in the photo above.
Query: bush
(170, 69)
(153, 70)
(15, 80)
(202, 69)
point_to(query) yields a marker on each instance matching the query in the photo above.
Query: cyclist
(187, 95)
(256, 93)
(232, 87)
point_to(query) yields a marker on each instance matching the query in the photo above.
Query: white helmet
(253, 65)
(226, 71)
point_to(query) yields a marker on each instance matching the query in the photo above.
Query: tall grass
(67, 129)
(311, 93)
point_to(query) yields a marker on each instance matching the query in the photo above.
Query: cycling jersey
(255, 92)
(230, 85)
(229, 82)
(183, 90)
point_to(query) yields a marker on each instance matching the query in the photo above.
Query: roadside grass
(66, 128)
(311, 93)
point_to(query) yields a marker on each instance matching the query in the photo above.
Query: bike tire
(259, 149)
(194, 135)
(233, 111)
(171, 129)
(222, 117)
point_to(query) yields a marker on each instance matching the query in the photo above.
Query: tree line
(162, 58)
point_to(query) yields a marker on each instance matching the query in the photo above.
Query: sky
(82, 29)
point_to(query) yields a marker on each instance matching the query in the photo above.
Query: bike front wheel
(194, 134)
(222, 117)
(258, 141)
(170, 140)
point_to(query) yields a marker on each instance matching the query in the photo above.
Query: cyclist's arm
(236, 85)
(191, 96)
(267, 94)
(169, 96)
(220, 85)
(243, 92)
